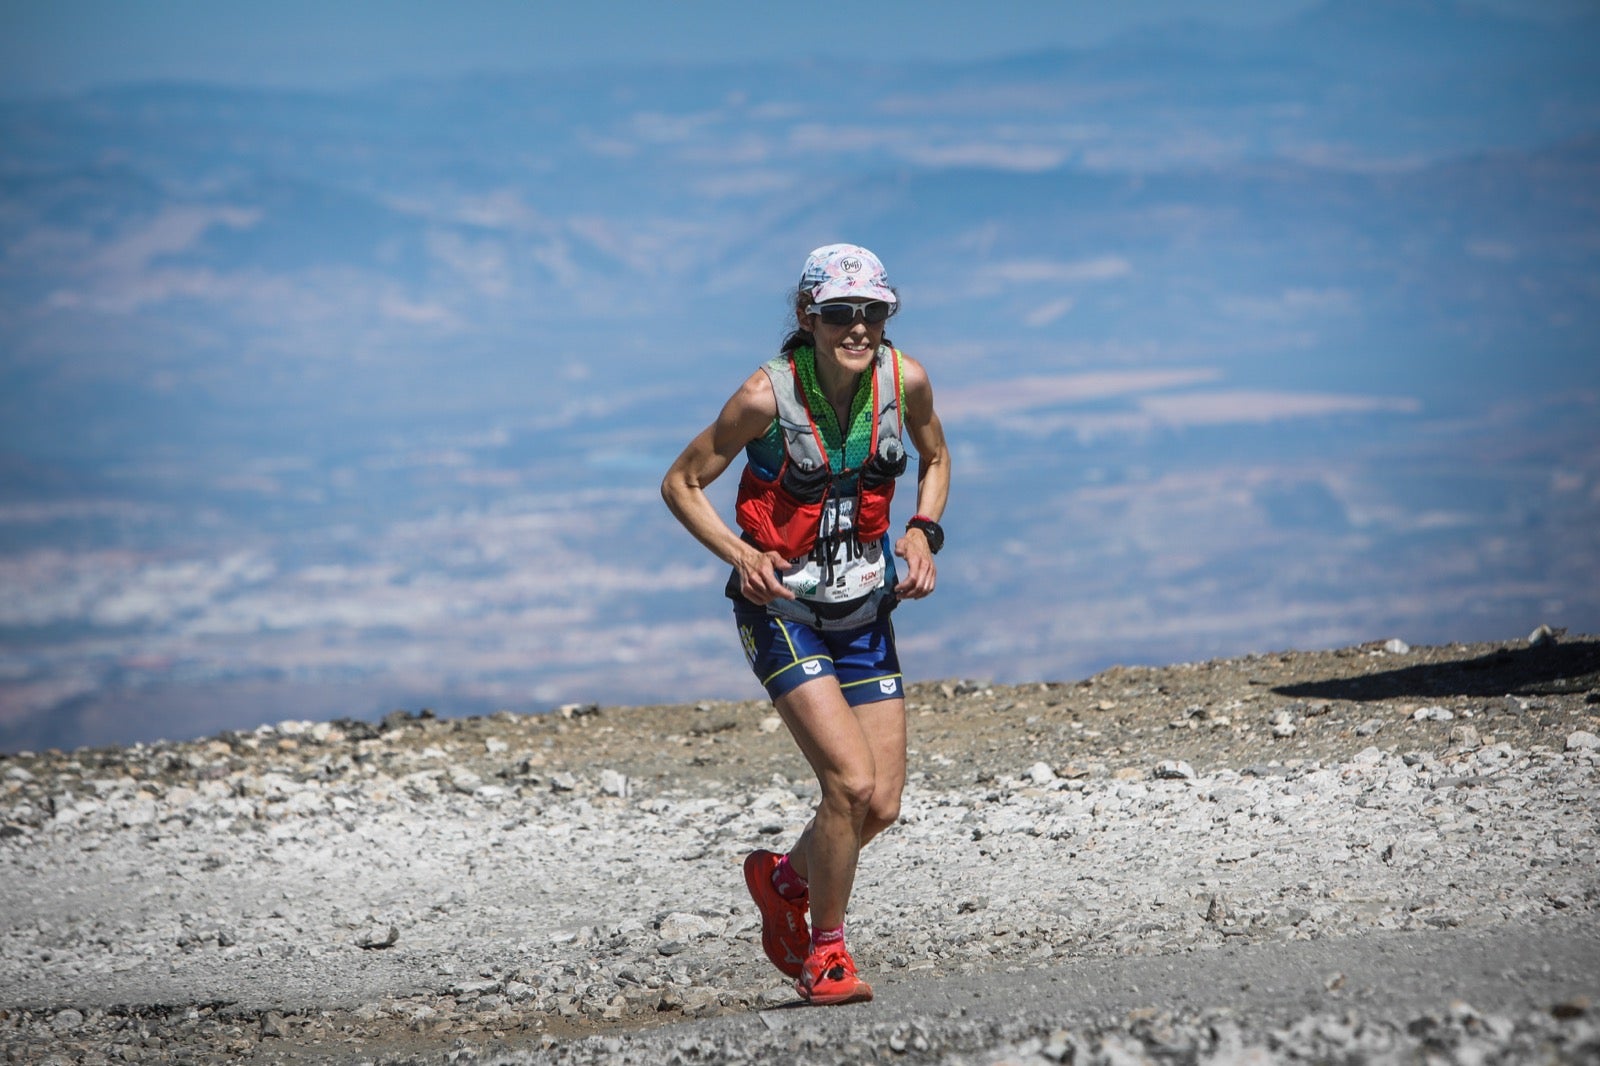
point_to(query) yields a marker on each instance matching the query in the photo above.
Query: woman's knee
(852, 794)
(882, 812)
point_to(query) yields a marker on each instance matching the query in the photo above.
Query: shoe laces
(834, 963)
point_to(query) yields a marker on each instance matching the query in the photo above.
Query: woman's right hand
(758, 576)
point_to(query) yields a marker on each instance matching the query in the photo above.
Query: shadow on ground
(1550, 669)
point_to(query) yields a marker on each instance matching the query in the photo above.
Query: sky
(50, 47)
(59, 47)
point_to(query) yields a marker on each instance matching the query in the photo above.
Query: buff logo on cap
(843, 272)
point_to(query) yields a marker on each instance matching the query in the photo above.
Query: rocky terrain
(1374, 854)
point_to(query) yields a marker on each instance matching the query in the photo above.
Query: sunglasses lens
(842, 314)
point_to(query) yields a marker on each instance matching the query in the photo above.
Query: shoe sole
(775, 950)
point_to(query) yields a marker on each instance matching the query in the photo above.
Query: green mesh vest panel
(859, 440)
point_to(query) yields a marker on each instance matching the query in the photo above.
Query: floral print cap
(843, 271)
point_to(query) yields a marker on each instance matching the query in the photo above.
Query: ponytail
(799, 338)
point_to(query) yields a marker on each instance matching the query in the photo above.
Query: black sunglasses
(843, 313)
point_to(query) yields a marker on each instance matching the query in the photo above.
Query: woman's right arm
(745, 416)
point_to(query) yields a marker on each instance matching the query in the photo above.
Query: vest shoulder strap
(889, 389)
(802, 441)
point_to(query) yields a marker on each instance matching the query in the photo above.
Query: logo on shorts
(813, 667)
(748, 637)
(888, 686)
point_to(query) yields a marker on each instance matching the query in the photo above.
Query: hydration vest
(807, 498)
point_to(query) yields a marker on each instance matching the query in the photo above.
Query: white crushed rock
(419, 897)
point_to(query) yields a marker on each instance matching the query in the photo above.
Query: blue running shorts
(785, 654)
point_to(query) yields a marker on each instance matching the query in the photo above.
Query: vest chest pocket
(776, 518)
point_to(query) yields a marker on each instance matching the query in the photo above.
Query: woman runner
(822, 427)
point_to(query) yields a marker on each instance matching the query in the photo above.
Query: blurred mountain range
(321, 404)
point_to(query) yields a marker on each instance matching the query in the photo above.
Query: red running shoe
(829, 976)
(785, 937)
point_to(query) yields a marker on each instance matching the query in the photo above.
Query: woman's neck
(838, 386)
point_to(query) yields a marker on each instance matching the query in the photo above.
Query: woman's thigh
(883, 724)
(861, 749)
(829, 734)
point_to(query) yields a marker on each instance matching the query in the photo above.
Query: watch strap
(930, 529)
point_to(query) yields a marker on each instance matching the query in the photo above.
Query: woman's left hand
(921, 574)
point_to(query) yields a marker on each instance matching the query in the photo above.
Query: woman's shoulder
(758, 390)
(913, 375)
(753, 405)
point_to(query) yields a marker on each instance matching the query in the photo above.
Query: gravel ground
(1373, 854)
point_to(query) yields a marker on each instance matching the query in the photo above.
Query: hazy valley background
(318, 404)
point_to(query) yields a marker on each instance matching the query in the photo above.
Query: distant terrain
(330, 404)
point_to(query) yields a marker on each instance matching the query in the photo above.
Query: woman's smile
(851, 347)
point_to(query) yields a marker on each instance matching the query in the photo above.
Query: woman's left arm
(933, 480)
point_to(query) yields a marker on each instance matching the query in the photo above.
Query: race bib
(840, 568)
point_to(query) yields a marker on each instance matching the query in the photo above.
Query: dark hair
(802, 338)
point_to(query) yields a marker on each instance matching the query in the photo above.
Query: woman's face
(850, 347)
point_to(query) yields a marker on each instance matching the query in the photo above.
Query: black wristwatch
(930, 529)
